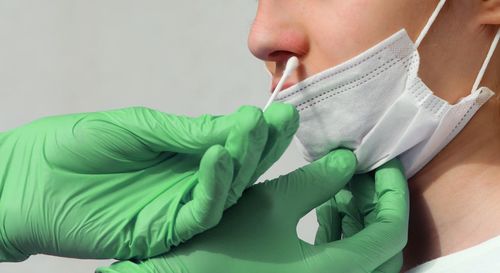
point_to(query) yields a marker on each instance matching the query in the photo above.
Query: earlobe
(489, 12)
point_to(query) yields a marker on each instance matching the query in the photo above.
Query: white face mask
(376, 105)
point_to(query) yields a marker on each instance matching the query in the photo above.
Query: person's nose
(277, 33)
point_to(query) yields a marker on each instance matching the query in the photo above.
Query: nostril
(279, 58)
(280, 55)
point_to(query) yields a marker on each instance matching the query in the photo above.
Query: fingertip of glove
(284, 117)
(251, 119)
(244, 113)
(217, 150)
(342, 163)
(221, 156)
(394, 168)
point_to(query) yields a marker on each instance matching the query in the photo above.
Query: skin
(454, 198)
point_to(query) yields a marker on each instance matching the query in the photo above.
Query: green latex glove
(258, 235)
(357, 207)
(129, 183)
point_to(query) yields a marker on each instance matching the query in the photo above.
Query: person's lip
(285, 85)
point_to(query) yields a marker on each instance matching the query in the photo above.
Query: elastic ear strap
(487, 61)
(431, 21)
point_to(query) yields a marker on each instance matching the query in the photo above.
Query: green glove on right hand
(356, 207)
(258, 235)
(129, 183)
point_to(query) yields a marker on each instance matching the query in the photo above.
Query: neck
(454, 199)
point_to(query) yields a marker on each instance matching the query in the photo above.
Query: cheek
(340, 30)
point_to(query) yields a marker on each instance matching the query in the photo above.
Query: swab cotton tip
(290, 66)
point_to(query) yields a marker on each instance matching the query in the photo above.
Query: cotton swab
(291, 65)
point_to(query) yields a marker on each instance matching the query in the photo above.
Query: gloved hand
(357, 208)
(129, 183)
(259, 233)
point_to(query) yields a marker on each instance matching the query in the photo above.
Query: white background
(184, 57)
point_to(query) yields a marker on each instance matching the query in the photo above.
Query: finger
(166, 132)
(340, 221)
(328, 218)
(365, 196)
(387, 235)
(357, 208)
(205, 209)
(245, 144)
(394, 265)
(309, 186)
(351, 219)
(354, 205)
(283, 122)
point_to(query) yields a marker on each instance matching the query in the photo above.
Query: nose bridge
(277, 31)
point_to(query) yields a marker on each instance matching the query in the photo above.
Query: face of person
(325, 33)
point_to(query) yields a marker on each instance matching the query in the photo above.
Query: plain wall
(185, 57)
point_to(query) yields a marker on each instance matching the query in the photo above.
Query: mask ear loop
(431, 21)
(487, 61)
(494, 44)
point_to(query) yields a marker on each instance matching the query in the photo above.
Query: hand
(259, 233)
(357, 207)
(129, 183)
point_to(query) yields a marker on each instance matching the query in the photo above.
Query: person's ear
(489, 12)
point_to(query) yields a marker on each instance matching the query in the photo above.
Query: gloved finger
(365, 197)
(306, 188)
(351, 219)
(245, 144)
(283, 122)
(205, 209)
(356, 208)
(328, 218)
(394, 265)
(356, 204)
(340, 221)
(162, 132)
(385, 237)
(363, 188)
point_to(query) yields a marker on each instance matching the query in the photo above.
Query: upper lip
(286, 85)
